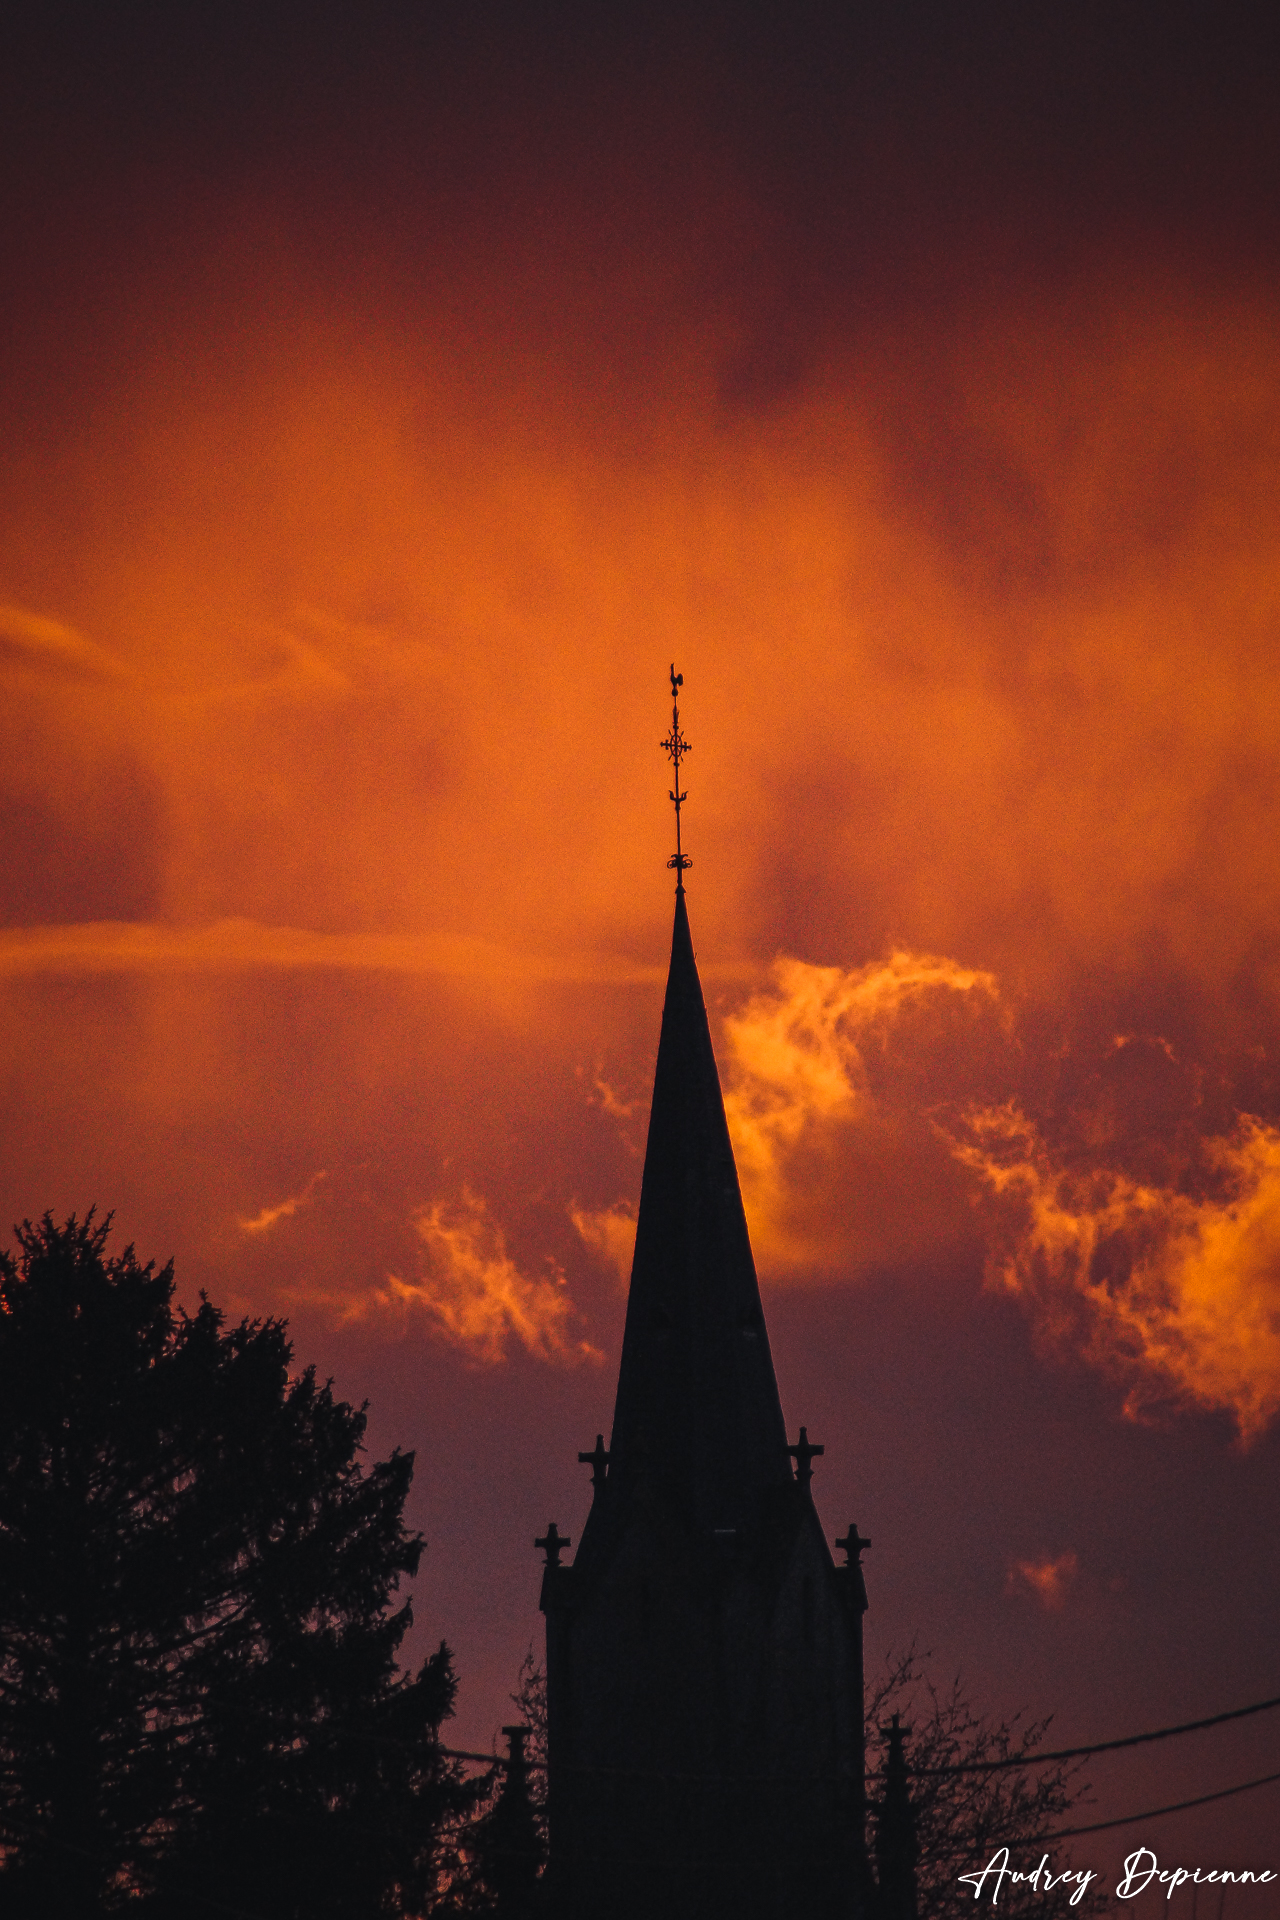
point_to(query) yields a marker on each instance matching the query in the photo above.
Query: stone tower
(704, 1652)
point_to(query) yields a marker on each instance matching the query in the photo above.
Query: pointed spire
(511, 1849)
(698, 1402)
(896, 1848)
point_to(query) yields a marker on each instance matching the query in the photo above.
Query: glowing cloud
(39, 644)
(264, 1221)
(1047, 1579)
(1179, 1293)
(476, 1297)
(797, 1070)
(610, 1233)
(611, 1102)
(127, 946)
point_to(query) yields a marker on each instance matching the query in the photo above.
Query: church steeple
(697, 1403)
(704, 1655)
(697, 1408)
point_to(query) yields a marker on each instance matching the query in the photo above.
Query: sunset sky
(388, 395)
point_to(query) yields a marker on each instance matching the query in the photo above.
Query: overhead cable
(1101, 1746)
(959, 1766)
(1154, 1813)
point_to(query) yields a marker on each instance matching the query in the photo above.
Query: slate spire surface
(697, 1406)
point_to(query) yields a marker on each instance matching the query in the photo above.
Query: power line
(655, 1773)
(456, 1753)
(1153, 1813)
(920, 1773)
(1102, 1746)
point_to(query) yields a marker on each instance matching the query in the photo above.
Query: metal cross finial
(676, 746)
(803, 1454)
(555, 1544)
(853, 1544)
(598, 1461)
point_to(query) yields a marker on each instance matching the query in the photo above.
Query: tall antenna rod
(676, 746)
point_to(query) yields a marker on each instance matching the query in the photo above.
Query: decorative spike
(676, 746)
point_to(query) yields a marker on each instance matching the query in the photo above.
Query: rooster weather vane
(676, 746)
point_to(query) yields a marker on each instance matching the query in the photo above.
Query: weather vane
(676, 746)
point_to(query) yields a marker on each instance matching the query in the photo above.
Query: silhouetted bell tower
(704, 1652)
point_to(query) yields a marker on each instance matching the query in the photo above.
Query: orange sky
(383, 414)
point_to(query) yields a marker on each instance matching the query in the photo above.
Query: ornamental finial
(804, 1454)
(555, 1544)
(676, 746)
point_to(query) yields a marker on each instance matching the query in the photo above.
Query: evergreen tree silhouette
(200, 1708)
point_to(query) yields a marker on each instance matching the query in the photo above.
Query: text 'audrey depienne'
(1141, 1870)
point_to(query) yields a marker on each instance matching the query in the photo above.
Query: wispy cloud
(473, 1294)
(1178, 1292)
(1048, 1579)
(38, 644)
(610, 1232)
(611, 1102)
(123, 946)
(270, 1216)
(797, 1070)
